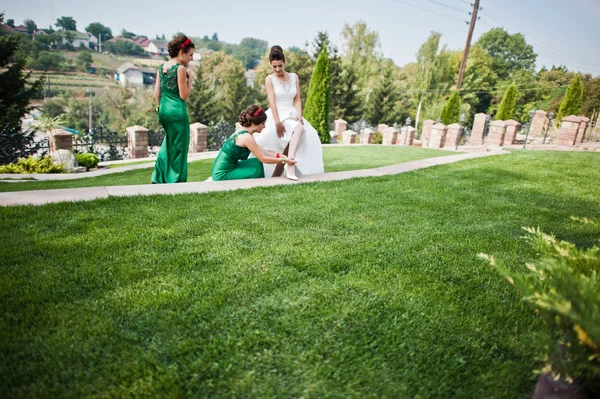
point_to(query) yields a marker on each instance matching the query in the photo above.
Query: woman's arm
(273, 105)
(298, 101)
(184, 81)
(247, 140)
(157, 87)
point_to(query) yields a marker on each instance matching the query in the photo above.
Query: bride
(285, 125)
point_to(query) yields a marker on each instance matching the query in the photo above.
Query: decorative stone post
(497, 133)
(138, 142)
(512, 127)
(381, 127)
(340, 126)
(198, 137)
(390, 135)
(406, 136)
(426, 134)
(61, 140)
(366, 136)
(438, 136)
(568, 130)
(453, 135)
(478, 129)
(538, 124)
(349, 137)
(582, 129)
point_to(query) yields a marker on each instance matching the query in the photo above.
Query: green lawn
(335, 158)
(360, 288)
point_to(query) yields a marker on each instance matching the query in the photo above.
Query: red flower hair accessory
(186, 43)
(258, 111)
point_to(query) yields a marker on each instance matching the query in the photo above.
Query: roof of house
(7, 27)
(160, 43)
(142, 41)
(76, 35)
(20, 28)
(114, 39)
(128, 66)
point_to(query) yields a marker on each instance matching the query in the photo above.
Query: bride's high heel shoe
(288, 175)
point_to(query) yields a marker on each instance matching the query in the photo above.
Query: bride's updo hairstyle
(252, 115)
(276, 54)
(181, 42)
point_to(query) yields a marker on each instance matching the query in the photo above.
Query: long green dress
(232, 163)
(171, 163)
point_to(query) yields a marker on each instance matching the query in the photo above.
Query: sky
(561, 34)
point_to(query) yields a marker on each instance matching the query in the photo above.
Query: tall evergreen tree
(346, 101)
(16, 94)
(318, 102)
(381, 104)
(451, 111)
(571, 103)
(202, 106)
(235, 92)
(508, 104)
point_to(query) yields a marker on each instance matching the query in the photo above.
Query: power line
(431, 11)
(447, 6)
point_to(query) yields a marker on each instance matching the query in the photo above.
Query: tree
(66, 23)
(48, 61)
(320, 42)
(571, 104)
(346, 102)
(508, 104)
(382, 100)
(318, 101)
(235, 93)
(202, 106)
(124, 47)
(361, 49)
(10, 22)
(30, 26)
(16, 93)
(511, 53)
(591, 95)
(215, 37)
(84, 60)
(126, 34)
(451, 111)
(52, 108)
(100, 31)
(479, 80)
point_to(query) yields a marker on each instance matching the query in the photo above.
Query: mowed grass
(361, 288)
(335, 159)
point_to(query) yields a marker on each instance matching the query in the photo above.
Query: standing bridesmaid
(173, 87)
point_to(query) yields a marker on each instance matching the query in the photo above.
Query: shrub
(377, 138)
(88, 160)
(32, 165)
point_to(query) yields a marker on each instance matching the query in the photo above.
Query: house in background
(158, 48)
(129, 75)
(79, 39)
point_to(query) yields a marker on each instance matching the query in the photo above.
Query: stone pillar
(406, 136)
(138, 142)
(497, 133)
(512, 127)
(349, 137)
(61, 140)
(453, 135)
(426, 134)
(333, 137)
(198, 137)
(478, 129)
(381, 127)
(568, 130)
(582, 129)
(390, 135)
(366, 136)
(538, 124)
(438, 136)
(340, 126)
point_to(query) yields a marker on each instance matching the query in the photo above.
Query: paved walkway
(40, 197)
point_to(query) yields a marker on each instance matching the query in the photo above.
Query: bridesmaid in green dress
(232, 163)
(173, 86)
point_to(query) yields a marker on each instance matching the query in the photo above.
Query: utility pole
(90, 112)
(463, 64)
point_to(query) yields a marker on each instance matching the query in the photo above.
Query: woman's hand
(289, 161)
(299, 119)
(280, 129)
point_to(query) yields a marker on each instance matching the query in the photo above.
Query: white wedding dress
(309, 154)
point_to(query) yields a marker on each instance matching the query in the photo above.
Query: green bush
(563, 286)
(377, 138)
(88, 160)
(32, 165)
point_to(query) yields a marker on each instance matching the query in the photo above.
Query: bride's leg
(295, 140)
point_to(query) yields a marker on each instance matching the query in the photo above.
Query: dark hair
(247, 117)
(175, 45)
(276, 54)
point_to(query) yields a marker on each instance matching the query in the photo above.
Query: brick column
(406, 136)
(381, 127)
(349, 137)
(478, 129)
(568, 130)
(390, 135)
(138, 142)
(512, 127)
(340, 126)
(538, 124)
(366, 136)
(497, 133)
(438, 136)
(61, 140)
(453, 135)
(198, 137)
(582, 129)
(426, 134)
